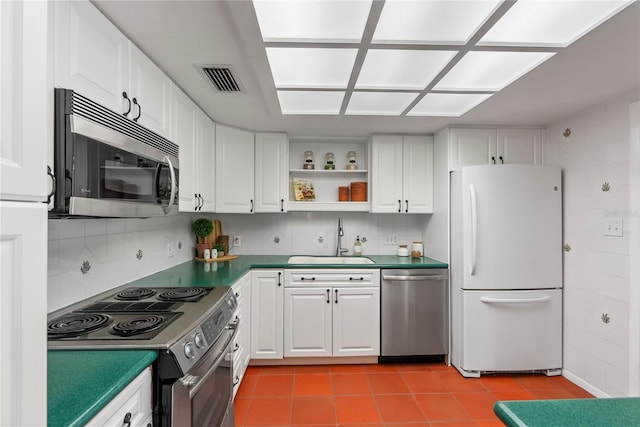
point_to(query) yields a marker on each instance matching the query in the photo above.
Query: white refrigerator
(506, 269)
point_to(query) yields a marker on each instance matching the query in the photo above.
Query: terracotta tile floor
(403, 395)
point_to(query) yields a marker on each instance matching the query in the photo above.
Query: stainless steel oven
(106, 165)
(204, 396)
(192, 329)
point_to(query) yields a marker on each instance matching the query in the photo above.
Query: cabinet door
(307, 319)
(150, 87)
(520, 146)
(356, 321)
(418, 174)
(134, 399)
(206, 159)
(386, 174)
(90, 54)
(266, 314)
(25, 107)
(272, 162)
(242, 342)
(183, 132)
(23, 304)
(471, 147)
(234, 170)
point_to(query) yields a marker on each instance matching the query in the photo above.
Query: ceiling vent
(220, 77)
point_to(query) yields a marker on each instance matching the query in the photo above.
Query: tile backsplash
(89, 256)
(594, 158)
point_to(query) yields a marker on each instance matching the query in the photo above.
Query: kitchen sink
(329, 260)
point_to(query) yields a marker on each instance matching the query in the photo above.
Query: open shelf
(328, 206)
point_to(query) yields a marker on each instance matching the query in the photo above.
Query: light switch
(613, 227)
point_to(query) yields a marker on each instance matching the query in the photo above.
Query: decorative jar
(352, 161)
(329, 161)
(308, 160)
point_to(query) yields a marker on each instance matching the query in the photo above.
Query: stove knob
(188, 351)
(199, 340)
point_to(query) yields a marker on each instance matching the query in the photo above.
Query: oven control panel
(194, 345)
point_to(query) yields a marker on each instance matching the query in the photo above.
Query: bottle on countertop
(357, 247)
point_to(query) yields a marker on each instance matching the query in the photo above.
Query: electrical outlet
(391, 239)
(237, 240)
(169, 250)
(613, 227)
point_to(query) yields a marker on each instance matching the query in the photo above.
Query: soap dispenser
(357, 247)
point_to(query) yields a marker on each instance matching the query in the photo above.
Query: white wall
(111, 245)
(596, 270)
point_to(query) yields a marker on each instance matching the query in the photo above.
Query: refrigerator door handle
(515, 300)
(474, 229)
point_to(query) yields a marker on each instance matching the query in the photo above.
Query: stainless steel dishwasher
(414, 313)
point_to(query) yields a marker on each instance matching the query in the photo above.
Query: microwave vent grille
(220, 77)
(96, 113)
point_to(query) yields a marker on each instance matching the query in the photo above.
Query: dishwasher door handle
(413, 278)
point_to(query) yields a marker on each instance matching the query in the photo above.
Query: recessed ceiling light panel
(312, 20)
(550, 23)
(431, 22)
(379, 103)
(311, 68)
(490, 71)
(447, 104)
(401, 69)
(310, 102)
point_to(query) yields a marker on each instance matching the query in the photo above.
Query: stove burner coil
(137, 325)
(182, 294)
(135, 294)
(76, 324)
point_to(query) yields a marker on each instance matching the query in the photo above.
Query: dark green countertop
(611, 412)
(80, 383)
(225, 273)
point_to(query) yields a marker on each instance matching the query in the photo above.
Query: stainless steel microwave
(106, 165)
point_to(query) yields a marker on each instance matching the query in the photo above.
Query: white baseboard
(582, 383)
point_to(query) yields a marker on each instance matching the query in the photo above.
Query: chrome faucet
(339, 249)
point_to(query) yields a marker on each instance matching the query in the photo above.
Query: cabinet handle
(356, 278)
(237, 295)
(493, 159)
(399, 206)
(236, 381)
(328, 296)
(127, 420)
(303, 278)
(251, 210)
(336, 296)
(201, 201)
(135, 102)
(501, 160)
(281, 205)
(407, 208)
(280, 279)
(236, 347)
(53, 184)
(126, 113)
(197, 202)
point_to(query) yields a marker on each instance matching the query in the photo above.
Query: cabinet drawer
(135, 399)
(323, 277)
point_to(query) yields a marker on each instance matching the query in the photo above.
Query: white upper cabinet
(271, 180)
(90, 54)
(185, 132)
(234, 170)
(519, 146)
(95, 59)
(25, 107)
(206, 162)
(482, 146)
(150, 88)
(401, 174)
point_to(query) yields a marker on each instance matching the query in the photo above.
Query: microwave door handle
(172, 196)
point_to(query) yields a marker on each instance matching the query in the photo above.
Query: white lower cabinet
(242, 341)
(330, 313)
(266, 314)
(131, 407)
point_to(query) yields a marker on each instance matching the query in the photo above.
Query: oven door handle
(193, 382)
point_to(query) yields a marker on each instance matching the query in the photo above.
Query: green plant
(202, 227)
(219, 247)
